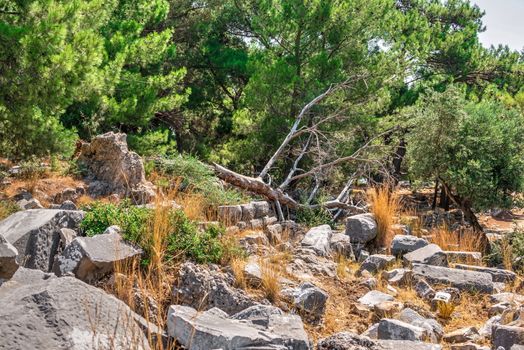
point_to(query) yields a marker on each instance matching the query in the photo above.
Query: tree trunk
(398, 158)
(435, 194)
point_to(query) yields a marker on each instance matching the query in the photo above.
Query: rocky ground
(297, 288)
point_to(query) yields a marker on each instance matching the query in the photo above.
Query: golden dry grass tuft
(506, 250)
(270, 285)
(465, 241)
(385, 205)
(237, 267)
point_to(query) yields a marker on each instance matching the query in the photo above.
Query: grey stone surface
(113, 169)
(424, 290)
(377, 262)
(229, 214)
(318, 239)
(430, 254)
(390, 329)
(40, 311)
(407, 345)
(257, 328)
(434, 329)
(248, 212)
(347, 341)
(498, 275)
(403, 244)
(462, 279)
(68, 205)
(361, 228)
(398, 277)
(32, 203)
(374, 297)
(204, 288)
(261, 209)
(91, 258)
(8, 263)
(341, 244)
(507, 336)
(461, 335)
(35, 233)
(311, 300)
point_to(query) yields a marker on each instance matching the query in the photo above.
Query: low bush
(184, 240)
(508, 251)
(314, 217)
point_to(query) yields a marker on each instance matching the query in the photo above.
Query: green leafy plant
(314, 216)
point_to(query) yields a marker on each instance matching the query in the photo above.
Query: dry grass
(270, 282)
(237, 267)
(148, 290)
(345, 267)
(465, 241)
(506, 250)
(384, 206)
(445, 310)
(472, 310)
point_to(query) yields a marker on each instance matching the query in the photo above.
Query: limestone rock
(403, 244)
(377, 262)
(361, 228)
(398, 277)
(257, 328)
(347, 341)
(113, 169)
(40, 311)
(203, 288)
(461, 279)
(229, 214)
(32, 203)
(8, 263)
(374, 297)
(390, 329)
(430, 254)
(318, 239)
(35, 233)
(461, 335)
(261, 209)
(341, 244)
(310, 300)
(434, 329)
(90, 258)
(498, 275)
(507, 336)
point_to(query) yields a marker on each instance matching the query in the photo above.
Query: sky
(504, 21)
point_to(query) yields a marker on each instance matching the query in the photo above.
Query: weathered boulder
(113, 169)
(256, 328)
(462, 279)
(461, 335)
(341, 244)
(261, 209)
(433, 328)
(274, 233)
(377, 262)
(507, 336)
(318, 239)
(430, 254)
(390, 329)
(424, 290)
(8, 263)
(32, 203)
(91, 258)
(361, 228)
(307, 265)
(374, 297)
(204, 288)
(310, 300)
(40, 311)
(68, 205)
(506, 297)
(403, 244)
(407, 345)
(498, 275)
(253, 273)
(229, 214)
(398, 277)
(35, 233)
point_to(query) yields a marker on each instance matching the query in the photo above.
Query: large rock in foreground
(35, 234)
(318, 239)
(462, 279)
(113, 169)
(40, 311)
(8, 263)
(259, 327)
(91, 258)
(361, 228)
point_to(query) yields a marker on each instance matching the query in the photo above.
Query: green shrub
(509, 247)
(185, 240)
(152, 143)
(31, 169)
(200, 178)
(314, 217)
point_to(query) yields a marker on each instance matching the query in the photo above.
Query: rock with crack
(390, 329)
(461, 279)
(376, 262)
(433, 328)
(307, 264)
(8, 263)
(341, 244)
(361, 228)
(91, 258)
(403, 244)
(310, 300)
(430, 254)
(35, 233)
(318, 239)
(398, 277)
(206, 287)
(113, 169)
(41, 311)
(259, 327)
(498, 275)
(352, 341)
